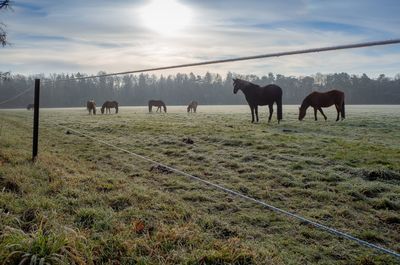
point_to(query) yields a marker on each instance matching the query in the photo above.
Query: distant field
(92, 204)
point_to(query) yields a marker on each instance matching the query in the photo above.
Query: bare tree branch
(4, 4)
(3, 35)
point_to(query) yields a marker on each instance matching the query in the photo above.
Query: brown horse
(260, 96)
(91, 106)
(192, 106)
(319, 100)
(158, 104)
(108, 105)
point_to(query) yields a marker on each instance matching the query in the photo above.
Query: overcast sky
(50, 36)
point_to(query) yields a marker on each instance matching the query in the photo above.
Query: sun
(167, 17)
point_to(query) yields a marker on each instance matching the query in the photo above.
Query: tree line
(179, 89)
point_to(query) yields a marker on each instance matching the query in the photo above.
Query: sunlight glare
(167, 17)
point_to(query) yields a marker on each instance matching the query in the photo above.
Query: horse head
(236, 85)
(302, 113)
(240, 84)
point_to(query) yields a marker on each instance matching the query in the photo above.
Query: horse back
(326, 99)
(265, 95)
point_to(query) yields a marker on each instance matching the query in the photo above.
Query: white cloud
(91, 36)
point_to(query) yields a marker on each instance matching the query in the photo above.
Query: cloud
(89, 36)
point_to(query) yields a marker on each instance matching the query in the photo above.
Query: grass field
(83, 202)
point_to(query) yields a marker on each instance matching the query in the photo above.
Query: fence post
(36, 120)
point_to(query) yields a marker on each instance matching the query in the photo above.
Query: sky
(48, 36)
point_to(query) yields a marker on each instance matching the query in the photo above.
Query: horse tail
(343, 115)
(279, 107)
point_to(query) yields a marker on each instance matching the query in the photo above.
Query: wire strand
(246, 58)
(16, 96)
(232, 192)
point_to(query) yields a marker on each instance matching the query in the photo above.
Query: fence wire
(245, 197)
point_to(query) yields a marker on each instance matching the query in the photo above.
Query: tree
(4, 4)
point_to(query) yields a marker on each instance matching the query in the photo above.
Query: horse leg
(323, 114)
(315, 113)
(338, 112)
(342, 110)
(252, 114)
(256, 111)
(271, 110)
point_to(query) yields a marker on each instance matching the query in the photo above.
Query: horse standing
(30, 106)
(260, 96)
(158, 104)
(91, 106)
(108, 105)
(192, 106)
(319, 100)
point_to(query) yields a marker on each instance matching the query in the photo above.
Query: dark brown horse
(108, 105)
(30, 106)
(158, 104)
(260, 96)
(91, 106)
(319, 100)
(192, 106)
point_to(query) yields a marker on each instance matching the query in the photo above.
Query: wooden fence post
(36, 121)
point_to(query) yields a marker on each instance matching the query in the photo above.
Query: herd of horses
(108, 105)
(256, 96)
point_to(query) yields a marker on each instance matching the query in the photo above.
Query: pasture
(92, 204)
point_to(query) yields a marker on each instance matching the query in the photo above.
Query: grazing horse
(108, 105)
(192, 106)
(260, 96)
(30, 106)
(158, 104)
(91, 106)
(319, 100)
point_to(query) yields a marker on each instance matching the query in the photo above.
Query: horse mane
(306, 101)
(244, 84)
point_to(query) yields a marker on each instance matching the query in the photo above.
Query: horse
(108, 105)
(91, 106)
(319, 100)
(158, 104)
(192, 106)
(30, 106)
(260, 96)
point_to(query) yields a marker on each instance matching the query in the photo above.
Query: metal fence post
(36, 120)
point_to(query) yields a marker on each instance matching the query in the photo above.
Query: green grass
(86, 203)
